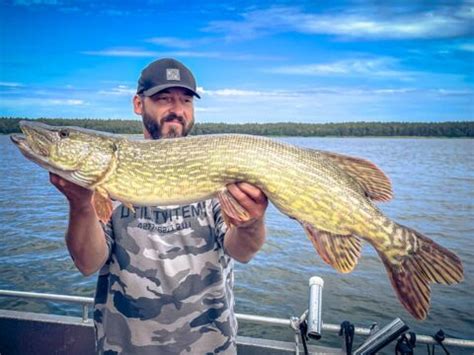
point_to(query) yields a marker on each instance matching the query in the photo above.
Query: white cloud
(135, 52)
(10, 84)
(118, 52)
(114, 12)
(468, 47)
(370, 67)
(173, 42)
(231, 92)
(42, 102)
(445, 92)
(426, 25)
(400, 91)
(318, 91)
(119, 90)
(193, 54)
(64, 102)
(439, 23)
(249, 94)
(36, 2)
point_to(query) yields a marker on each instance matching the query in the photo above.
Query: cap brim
(156, 89)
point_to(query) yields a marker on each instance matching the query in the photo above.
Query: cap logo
(172, 74)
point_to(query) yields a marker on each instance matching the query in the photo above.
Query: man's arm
(243, 240)
(85, 238)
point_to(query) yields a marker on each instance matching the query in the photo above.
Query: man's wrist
(251, 225)
(81, 207)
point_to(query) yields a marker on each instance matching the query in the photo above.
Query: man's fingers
(242, 198)
(69, 189)
(252, 191)
(236, 192)
(53, 178)
(57, 180)
(249, 197)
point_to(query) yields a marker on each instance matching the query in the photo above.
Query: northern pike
(330, 194)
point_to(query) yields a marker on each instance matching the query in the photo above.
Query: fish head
(76, 154)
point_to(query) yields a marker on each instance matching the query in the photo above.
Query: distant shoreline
(454, 129)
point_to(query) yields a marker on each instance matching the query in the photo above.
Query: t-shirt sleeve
(109, 230)
(220, 228)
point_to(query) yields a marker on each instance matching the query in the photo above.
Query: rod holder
(314, 307)
(382, 337)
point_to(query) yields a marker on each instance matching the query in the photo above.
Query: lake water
(433, 182)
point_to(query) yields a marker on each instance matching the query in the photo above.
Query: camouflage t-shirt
(167, 285)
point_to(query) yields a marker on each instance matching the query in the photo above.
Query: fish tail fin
(413, 261)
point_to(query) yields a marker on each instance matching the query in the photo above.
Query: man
(166, 273)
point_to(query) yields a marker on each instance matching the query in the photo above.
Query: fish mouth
(35, 142)
(22, 143)
(19, 140)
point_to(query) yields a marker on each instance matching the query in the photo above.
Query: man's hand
(252, 199)
(244, 239)
(78, 196)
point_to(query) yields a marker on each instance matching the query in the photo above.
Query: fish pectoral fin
(342, 252)
(232, 210)
(227, 220)
(375, 183)
(129, 206)
(102, 205)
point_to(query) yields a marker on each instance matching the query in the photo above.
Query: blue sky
(266, 61)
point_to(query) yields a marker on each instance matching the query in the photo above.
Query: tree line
(346, 129)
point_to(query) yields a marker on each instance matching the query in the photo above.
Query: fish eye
(64, 133)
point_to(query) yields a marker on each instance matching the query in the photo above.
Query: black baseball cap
(163, 74)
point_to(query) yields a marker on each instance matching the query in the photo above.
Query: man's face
(167, 114)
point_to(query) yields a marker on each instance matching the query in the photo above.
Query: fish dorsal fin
(375, 183)
(342, 252)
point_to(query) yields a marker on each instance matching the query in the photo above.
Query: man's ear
(138, 105)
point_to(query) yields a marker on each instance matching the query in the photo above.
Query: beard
(155, 127)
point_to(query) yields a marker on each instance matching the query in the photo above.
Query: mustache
(174, 117)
